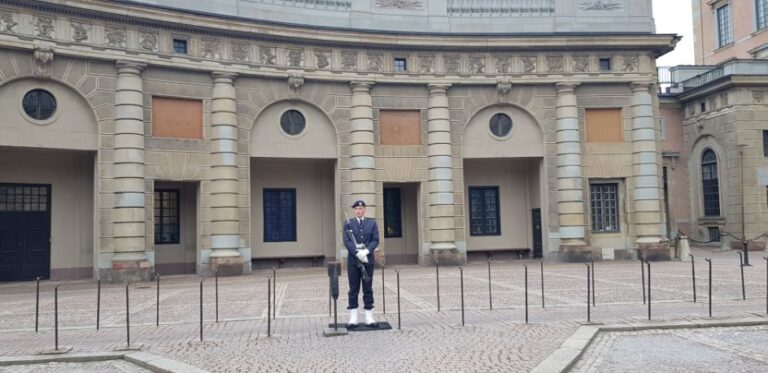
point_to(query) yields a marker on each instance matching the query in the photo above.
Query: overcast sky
(674, 17)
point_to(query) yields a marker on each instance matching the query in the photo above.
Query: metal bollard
(741, 268)
(693, 276)
(490, 295)
(127, 316)
(589, 302)
(274, 292)
(157, 299)
(710, 285)
(746, 253)
(216, 280)
(98, 302)
(642, 276)
(461, 278)
(766, 284)
(37, 304)
(383, 292)
(201, 309)
(56, 317)
(542, 283)
(526, 293)
(397, 272)
(594, 304)
(437, 277)
(649, 288)
(269, 306)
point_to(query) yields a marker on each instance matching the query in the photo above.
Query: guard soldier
(361, 237)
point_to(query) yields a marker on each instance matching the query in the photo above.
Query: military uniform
(366, 232)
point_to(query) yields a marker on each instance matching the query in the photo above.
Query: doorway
(401, 225)
(25, 231)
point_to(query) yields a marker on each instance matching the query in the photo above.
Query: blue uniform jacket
(366, 233)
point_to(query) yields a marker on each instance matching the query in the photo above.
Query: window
(484, 219)
(400, 64)
(393, 223)
(765, 143)
(703, 107)
(279, 215)
(604, 203)
(714, 234)
(710, 184)
(761, 11)
(39, 104)
(605, 64)
(292, 122)
(724, 36)
(166, 216)
(24, 198)
(501, 125)
(179, 46)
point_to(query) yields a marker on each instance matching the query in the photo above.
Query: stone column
(442, 232)
(570, 184)
(362, 152)
(225, 213)
(647, 191)
(130, 259)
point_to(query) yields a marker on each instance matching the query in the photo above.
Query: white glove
(360, 246)
(362, 255)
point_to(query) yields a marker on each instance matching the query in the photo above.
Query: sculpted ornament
(43, 61)
(322, 59)
(723, 99)
(148, 41)
(210, 49)
(758, 96)
(580, 64)
(80, 31)
(349, 60)
(503, 86)
(295, 82)
(477, 65)
(44, 27)
(240, 52)
(267, 55)
(503, 65)
(115, 37)
(555, 64)
(452, 64)
(426, 64)
(295, 57)
(7, 21)
(374, 61)
(399, 4)
(630, 63)
(529, 64)
(604, 5)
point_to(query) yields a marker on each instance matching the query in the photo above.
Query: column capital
(129, 66)
(566, 87)
(223, 77)
(641, 87)
(438, 88)
(360, 86)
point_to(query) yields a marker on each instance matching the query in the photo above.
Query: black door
(25, 231)
(537, 246)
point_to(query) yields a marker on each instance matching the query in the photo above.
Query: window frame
(159, 206)
(393, 212)
(761, 23)
(604, 219)
(765, 143)
(395, 62)
(484, 212)
(186, 45)
(711, 169)
(293, 216)
(720, 31)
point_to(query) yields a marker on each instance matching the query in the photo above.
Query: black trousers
(355, 279)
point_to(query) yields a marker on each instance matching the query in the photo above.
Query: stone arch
(318, 140)
(526, 138)
(74, 126)
(699, 147)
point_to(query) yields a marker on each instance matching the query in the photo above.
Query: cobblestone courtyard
(491, 340)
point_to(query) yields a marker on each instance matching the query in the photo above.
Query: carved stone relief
(210, 49)
(580, 64)
(295, 57)
(239, 52)
(399, 4)
(529, 64)
(148, 41)
(43, 61)
(503, 65)
(295, 82)
(44, 27)
(267, 55)
(375, 61)
(7, 22)
(452, 63)
(758, 96)
(322, 59)
(476, 65)
(600, 5)
(349, 60)
(723, 99)
(80, 31)
(631, 63)
(426, 64)
(115, 37)
(555, 64)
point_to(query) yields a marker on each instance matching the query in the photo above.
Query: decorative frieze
(452, 63)
(43, 61)
(580, 64)
(349, 60)
(529, 63)
(375, 61)
(600, 5)
(209, 49)
(148, 41)
(267, 55)
(7, 22)
(44, 27)
(503, 65)
(476, 65)
(322, 58)
(555, 64)
(239, 52)
(630, 63)
(115, 37)
(295, 57)
(426, 64)
(80, 31)
(400, 4)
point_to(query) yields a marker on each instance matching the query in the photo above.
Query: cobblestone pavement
(428, 341)
(737, 349)
(112, 366)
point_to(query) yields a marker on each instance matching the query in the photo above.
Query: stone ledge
(145, 360)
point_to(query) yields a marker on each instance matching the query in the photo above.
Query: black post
(693, 276)
(127, 316)
(526, 293)
(741, 267)
(216, 280)
(157, 301)
(383, 292)
(37, 304)
(746, 253)
(766, 283)
(201, 309)
(274, 292)
(642, 276)
(490, 295)
(589, 302)
(594, 304)
(648, 263)
(269, 306)
(461, 278)
(437, 274)
(709, 261)
(397, 272)
(98, 302)
(542, 283)
(56, 317)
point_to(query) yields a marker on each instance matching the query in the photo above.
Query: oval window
(292, 122)
(39, 104)
(501, 125)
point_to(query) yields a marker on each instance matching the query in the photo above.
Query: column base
(228, 265)
(446, 254)
(129, 270)
(654, 251)
(576, 253)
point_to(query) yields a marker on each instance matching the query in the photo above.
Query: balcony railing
(312, 4)
(501, 8)
(707, 77)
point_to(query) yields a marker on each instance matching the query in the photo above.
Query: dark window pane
(604, 207)
(292, 122)
(39, 104)
(484, 214)
(501, 125)
(279, 215)
(392, 213)
(166, 214)
(710, 185)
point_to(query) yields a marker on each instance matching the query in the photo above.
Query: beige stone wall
(677, 164)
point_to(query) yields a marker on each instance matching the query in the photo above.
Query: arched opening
(710, 186)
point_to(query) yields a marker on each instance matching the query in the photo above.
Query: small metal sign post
(334, 271)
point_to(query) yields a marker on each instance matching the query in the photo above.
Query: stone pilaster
(570, 184)
(442, 232)
(225, 213)
(647, 191)
(362, 152)
(130, 258)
